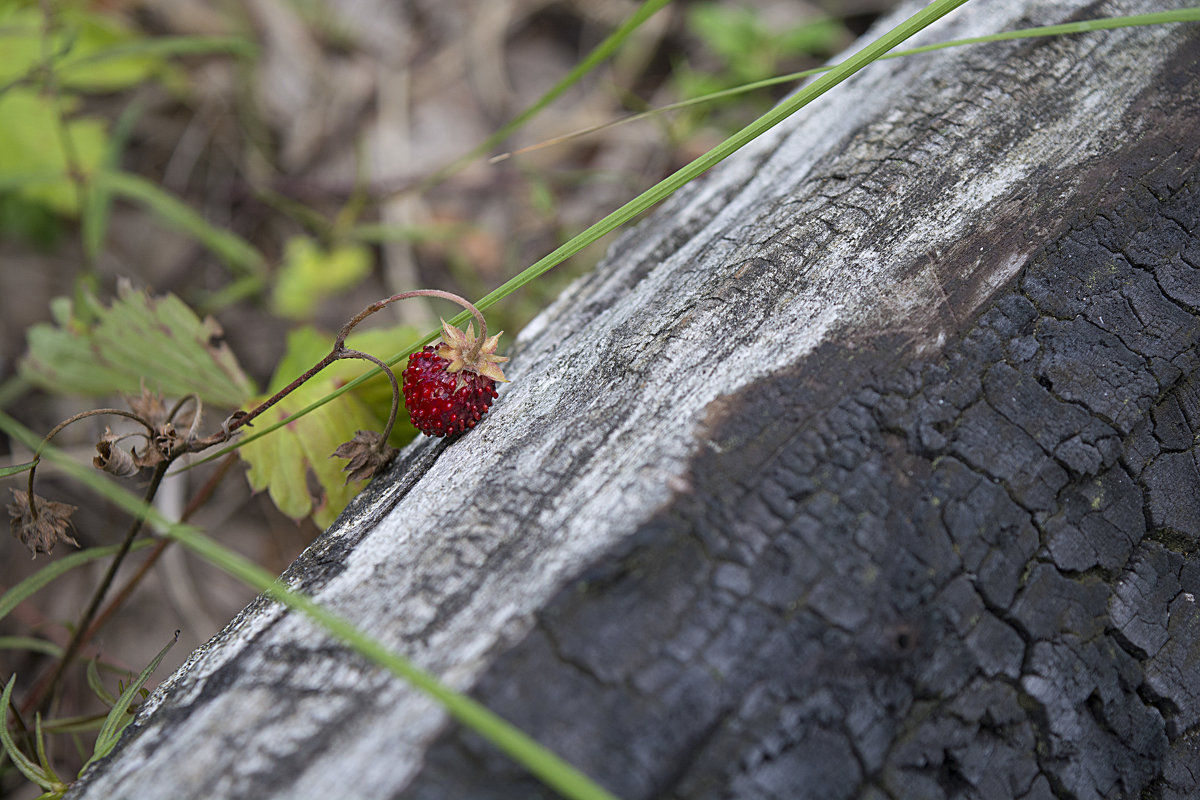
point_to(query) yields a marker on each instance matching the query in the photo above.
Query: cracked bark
(867, 467)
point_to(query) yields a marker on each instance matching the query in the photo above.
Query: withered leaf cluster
(163, 444)
(368, 452)
(42, 525)
(112, 459)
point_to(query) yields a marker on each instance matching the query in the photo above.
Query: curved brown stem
(387, 429)
(376, 306)
(37, 456)
(195, 398)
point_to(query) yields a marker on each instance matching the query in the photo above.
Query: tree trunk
(866, 467)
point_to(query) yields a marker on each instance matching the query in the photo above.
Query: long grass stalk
(652, 196)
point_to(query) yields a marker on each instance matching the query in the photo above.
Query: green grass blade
(383, 232)
(235, 251)
(43, 760)
(21, 761)
(169, 47)
(78, 724)
(116, 720)
(54, 569)
(1084, 26)
(654, 194)
(30, 644)
(16, 469)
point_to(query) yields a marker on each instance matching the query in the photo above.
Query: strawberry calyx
(465, 352)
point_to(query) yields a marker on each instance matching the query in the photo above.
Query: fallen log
(865, 467)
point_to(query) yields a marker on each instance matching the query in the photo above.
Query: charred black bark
(968, 576)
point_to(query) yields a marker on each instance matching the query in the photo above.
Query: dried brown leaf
(368, 453)
(150, 406)
(44, 525)
(112, 459)
(166, 441)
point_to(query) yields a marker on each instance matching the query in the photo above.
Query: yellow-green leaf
(310, 274)
(284, 462)
(294, 464)
(90, 51)
(30, 142)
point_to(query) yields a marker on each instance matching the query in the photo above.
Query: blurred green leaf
(156, 339)
(30, 146)
(91, 51)
(309, 275)
(817, 38)
(294, 463)
(94, 34)
(732, 32)
(97, 201)
(119, 59)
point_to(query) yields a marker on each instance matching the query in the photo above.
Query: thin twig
(376, 306)
(387, 429)
(249, 416)
(126, 590)
(46, 692)
(37, 456)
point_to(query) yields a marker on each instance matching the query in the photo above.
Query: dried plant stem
(46, 692)
(250, 416)
(126, 590)
(376, 306)
(387, 429)
(37, 456)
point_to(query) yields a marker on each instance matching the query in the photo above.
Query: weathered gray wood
(866, 467)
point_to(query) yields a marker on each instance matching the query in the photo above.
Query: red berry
(443, 403)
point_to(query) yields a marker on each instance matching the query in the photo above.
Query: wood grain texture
(865, 467)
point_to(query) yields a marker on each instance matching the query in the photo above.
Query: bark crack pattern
(972, 576)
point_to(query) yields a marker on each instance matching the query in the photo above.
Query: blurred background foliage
(233, 180)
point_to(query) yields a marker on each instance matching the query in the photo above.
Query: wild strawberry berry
(449, 387)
